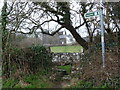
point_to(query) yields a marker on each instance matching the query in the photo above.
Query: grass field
(63, 49)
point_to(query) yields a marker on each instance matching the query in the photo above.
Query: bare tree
(58, 12)
(29, 17)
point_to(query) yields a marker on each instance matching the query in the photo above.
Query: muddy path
(57, 84)
(60, 78)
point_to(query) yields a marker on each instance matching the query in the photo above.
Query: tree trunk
(119, 41)
(4, 22)
(91, 39)
(77, 37)
(111, 34)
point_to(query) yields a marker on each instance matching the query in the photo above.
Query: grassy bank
(28, 81)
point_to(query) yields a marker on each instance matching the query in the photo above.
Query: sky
(82, 29)
(1, 4)
(82, 33)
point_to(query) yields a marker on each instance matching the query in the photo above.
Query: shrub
(9, 83)
(19, 61)
(39, 58)
(11, 60)
(35, 59)
(67, 68)
(82, 84)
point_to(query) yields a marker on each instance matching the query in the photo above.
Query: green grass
(67, 68)
(90, 85)
(72, 49)
(37, 80)
(85, 84)
(9, 83)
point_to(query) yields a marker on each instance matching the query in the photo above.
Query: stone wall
(66, 58)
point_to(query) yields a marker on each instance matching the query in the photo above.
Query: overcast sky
(83, 34)
(1, 4)
(82, 30)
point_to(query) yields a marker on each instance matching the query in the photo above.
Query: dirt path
(60, 84)
(57, 84)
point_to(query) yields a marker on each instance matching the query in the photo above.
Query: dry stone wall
(66, 58)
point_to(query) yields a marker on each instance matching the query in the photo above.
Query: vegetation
(82, 84)
(32, 67)
(29, 68)
(86, 84)
(67, 68)
(38, 80)
(105, 84)
(39, 58)
(63, 49)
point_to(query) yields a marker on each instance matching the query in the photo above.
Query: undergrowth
(38, 80)
(67, 68)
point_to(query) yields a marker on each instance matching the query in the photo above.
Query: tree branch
(80, 25)
(31, 30)
(51, 34)
(10, 9)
